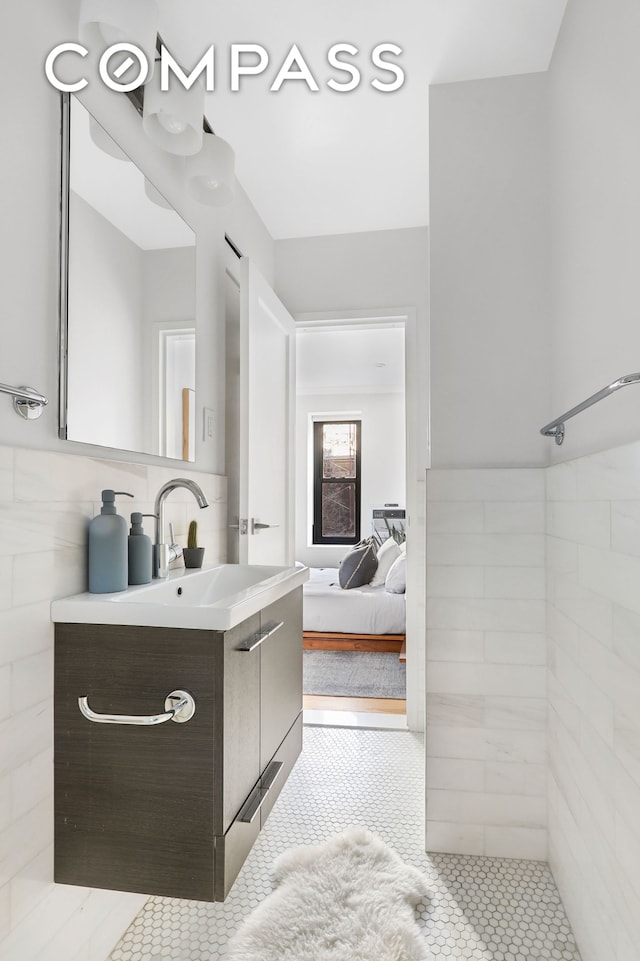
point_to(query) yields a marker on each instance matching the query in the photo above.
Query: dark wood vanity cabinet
(173, 809)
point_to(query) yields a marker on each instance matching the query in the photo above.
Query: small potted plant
(192, 554)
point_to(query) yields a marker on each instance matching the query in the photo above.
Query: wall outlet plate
(208, 423)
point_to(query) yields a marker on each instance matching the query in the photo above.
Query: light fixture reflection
(105, 22)
(172, 118)
(107, 144)
(210, 173)
(152, 193)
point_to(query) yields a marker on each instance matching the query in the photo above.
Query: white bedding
(361, 610)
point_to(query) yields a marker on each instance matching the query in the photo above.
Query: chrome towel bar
(179, 706)
(27, 401)
(556, 427)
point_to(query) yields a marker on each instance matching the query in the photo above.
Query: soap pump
(140, 553)
(108, 563)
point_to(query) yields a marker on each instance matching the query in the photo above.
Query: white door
(267, 411)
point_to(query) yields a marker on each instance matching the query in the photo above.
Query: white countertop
(214, 598)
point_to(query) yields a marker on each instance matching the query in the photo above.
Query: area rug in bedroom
(354, 674)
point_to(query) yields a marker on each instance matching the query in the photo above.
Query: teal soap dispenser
(108, 561)
(140, 557)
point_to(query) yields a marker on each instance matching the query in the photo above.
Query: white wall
(593, 625)
(353, 271)
(169, 288)
(383, 462)
(48, 488)
(587, 103)
(105, 354)
(593, 501)
(489, 246)
(595, 192)
(486, 653)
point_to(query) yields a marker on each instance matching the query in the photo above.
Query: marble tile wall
(485, 663)
(46, 501)
(593, 624)
(487, 680)
(416, 612)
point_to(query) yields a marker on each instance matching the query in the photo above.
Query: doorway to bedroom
(351, 520)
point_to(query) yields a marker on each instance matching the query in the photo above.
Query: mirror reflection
(130, 307)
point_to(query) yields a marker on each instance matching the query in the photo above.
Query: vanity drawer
(237, 724)
(287, 754)
(232, 848)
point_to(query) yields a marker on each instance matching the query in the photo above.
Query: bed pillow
(387, 554)
(358, 566)
(396, 580)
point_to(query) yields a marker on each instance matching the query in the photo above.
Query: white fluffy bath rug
(350, 899)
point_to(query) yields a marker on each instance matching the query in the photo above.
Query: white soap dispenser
(108, 563)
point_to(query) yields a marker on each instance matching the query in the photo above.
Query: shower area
(532, 674)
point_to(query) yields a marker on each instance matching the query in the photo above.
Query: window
(336, 482)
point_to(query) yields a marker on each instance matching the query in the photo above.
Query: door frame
(417, 460)
(160, 331)
(255, 288)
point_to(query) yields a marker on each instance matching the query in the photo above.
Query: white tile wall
(416, 609)
(486, 657)
(491, 679)
(593, 625)
(46, 501)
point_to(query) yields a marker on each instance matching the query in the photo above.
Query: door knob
(256, 526)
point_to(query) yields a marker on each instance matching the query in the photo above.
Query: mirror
(127, 338)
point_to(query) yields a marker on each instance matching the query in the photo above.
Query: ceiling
(329, 162)
(359, 360)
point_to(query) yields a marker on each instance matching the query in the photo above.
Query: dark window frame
(319, 480)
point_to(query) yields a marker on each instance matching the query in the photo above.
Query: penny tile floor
(481, 909)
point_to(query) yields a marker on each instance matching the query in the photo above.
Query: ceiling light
(105, 22)
(172, 118)
(210, 173)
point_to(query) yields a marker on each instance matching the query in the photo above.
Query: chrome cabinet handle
(257, 639)
(179, 706)
(258, 796)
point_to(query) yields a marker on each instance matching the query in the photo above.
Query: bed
(361, 619)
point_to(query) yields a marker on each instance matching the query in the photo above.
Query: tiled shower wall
(498, 719)
(593, 559)
(486, 654)
(46, 501)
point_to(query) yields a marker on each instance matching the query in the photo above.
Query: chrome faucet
(164, 553)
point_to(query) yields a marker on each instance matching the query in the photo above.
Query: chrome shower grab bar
(24, 393)
(556, 427)
(26, 401)
(179, 706)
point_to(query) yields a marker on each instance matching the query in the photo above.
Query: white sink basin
(214, 598)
